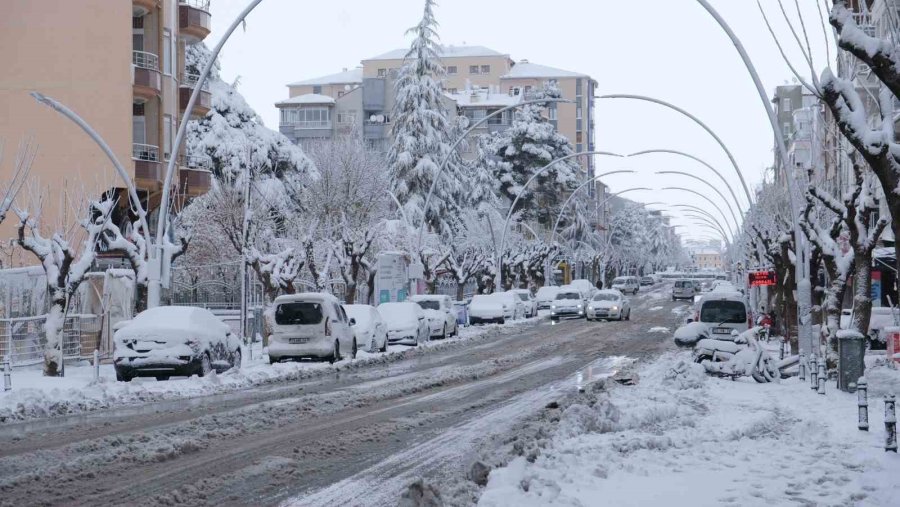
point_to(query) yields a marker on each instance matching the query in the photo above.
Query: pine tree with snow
(529, 144)
(421, 130)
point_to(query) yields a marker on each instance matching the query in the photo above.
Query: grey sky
(669, 49)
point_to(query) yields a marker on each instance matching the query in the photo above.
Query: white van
(724, 312)
(626, 284)
(586, 288)
(310, 325)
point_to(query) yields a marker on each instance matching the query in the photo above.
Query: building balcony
(147, 167)
(143, 7)
(145, 77)
(204, 99)
(194, 20)
(195, 177)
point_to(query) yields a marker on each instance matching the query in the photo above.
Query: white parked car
(406, 323)
(513, 308)
(174, 340)
(608, 304)
(724, 312)
(626, 284)
(311, 325)
(568, 303)
(530, 303)
(485, 308)
(586, 288)
(545, 296)
(368, 327)
(440, 313)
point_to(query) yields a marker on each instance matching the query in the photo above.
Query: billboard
(761, 278)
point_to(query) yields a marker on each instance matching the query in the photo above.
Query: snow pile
(883, 378)
(735, 443)
(659, 329)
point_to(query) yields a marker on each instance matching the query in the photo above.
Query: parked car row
(606, 304)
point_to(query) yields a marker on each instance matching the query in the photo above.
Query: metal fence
(23, 338)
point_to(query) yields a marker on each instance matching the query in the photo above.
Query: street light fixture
(695, 209)
(714, 205)
(737, 224)
(595, 179)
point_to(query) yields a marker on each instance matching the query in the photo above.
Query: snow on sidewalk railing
(22, 338)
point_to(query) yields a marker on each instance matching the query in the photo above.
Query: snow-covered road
(354, 436)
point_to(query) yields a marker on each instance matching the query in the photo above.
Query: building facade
(119, 65)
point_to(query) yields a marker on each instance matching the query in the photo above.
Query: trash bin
(851, 363)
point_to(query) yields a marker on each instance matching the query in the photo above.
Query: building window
(578, 137)
(787, 128)
(473, 69)
(552, 82)
(578, 112)
(553, 112)
(485, 69)
(340, 94)
(168, 52)
(346, 118)
(579, 148)
(382, 72)
(451, 70)
(527, 90)
(578, 87)
(452, 91)
(786, 104)
(317, 89)
(168, 135)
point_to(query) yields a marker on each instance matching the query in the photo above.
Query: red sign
(761, 278)
(893, 346)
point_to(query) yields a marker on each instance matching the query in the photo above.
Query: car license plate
(721, 330)
(297, 341)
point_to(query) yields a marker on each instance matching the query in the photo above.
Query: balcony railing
(190, 81)
(309, 124)
(145, 60)
(197, 4)
(146, 152)
(202, 162)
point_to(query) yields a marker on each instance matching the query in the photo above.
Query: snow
(524, 70)
(656, 309)
(483, 98)
(449, 51)
(34, 396)
(659, 329)
(679, 438)
(352, 76)
(308, 98)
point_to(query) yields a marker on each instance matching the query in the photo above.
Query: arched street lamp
(700, 219)
(461, 137)
(499, 276)
(562, 210)
(705, 164)
(696, 209)
(737, 223)
(595, 179)
(710, 201)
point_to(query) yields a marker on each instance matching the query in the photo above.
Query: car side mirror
(352, 322)
(689, 320)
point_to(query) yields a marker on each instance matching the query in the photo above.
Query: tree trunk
(459, 290)
(862, 299)
(371, 283)
(54, 328)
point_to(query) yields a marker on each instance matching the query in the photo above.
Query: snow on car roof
(428, 297)
(306, 296)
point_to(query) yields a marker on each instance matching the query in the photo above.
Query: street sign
(761, 278)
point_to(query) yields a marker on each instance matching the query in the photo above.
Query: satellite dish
(347, 87)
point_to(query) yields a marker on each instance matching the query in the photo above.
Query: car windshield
(394, 313)
(728, 312)
(522, 296)
(620, 281)
(568, 295)
(606, 297)
(298, 313)
(429, 305)
(547, 292)
(361, 314)
(683, 284)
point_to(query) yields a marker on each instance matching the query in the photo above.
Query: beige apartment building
(119, 65)
(478, 81)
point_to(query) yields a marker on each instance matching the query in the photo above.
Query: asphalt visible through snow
(352, 438)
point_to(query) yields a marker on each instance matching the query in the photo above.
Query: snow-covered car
(486, 308)
(406, 323)
(586, 288)
(608, 304)
(531, 305)
(545, 296)
(684, 289)
(462, 312)
(882, 317)
(568, 303)
(626, 284)
(311, 325)
(174, 340)
(440, 314)
(647, 281)
(724, 312)
(368, 327)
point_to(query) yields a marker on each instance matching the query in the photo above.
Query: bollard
(813, 373)
(96, 364)
(801, 366)
(781, 351)
(821, 378)
(862, 400)
(890, 424)
(7, 374)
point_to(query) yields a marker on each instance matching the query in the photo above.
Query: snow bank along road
(352, 438)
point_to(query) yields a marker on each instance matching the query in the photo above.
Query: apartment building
(478, 81)
(119, 65)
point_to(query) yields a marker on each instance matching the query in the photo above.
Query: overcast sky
(669, 49)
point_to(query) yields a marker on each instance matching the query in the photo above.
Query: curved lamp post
(714, 205)
(452, 150)
(499, 276)
(692, 117)
(804, 286)
(595, 179)
(710, 223)
(705, 164)
(737, 223)
(696, 209)
(156, 254)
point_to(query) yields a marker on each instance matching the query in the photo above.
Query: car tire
(336, 353)
(444, 334)
(354, 348)
(162, 378)
(205, 365)
(503, 321)
(123, 378)
(384, 347)
(272, 360)
(236, 360)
